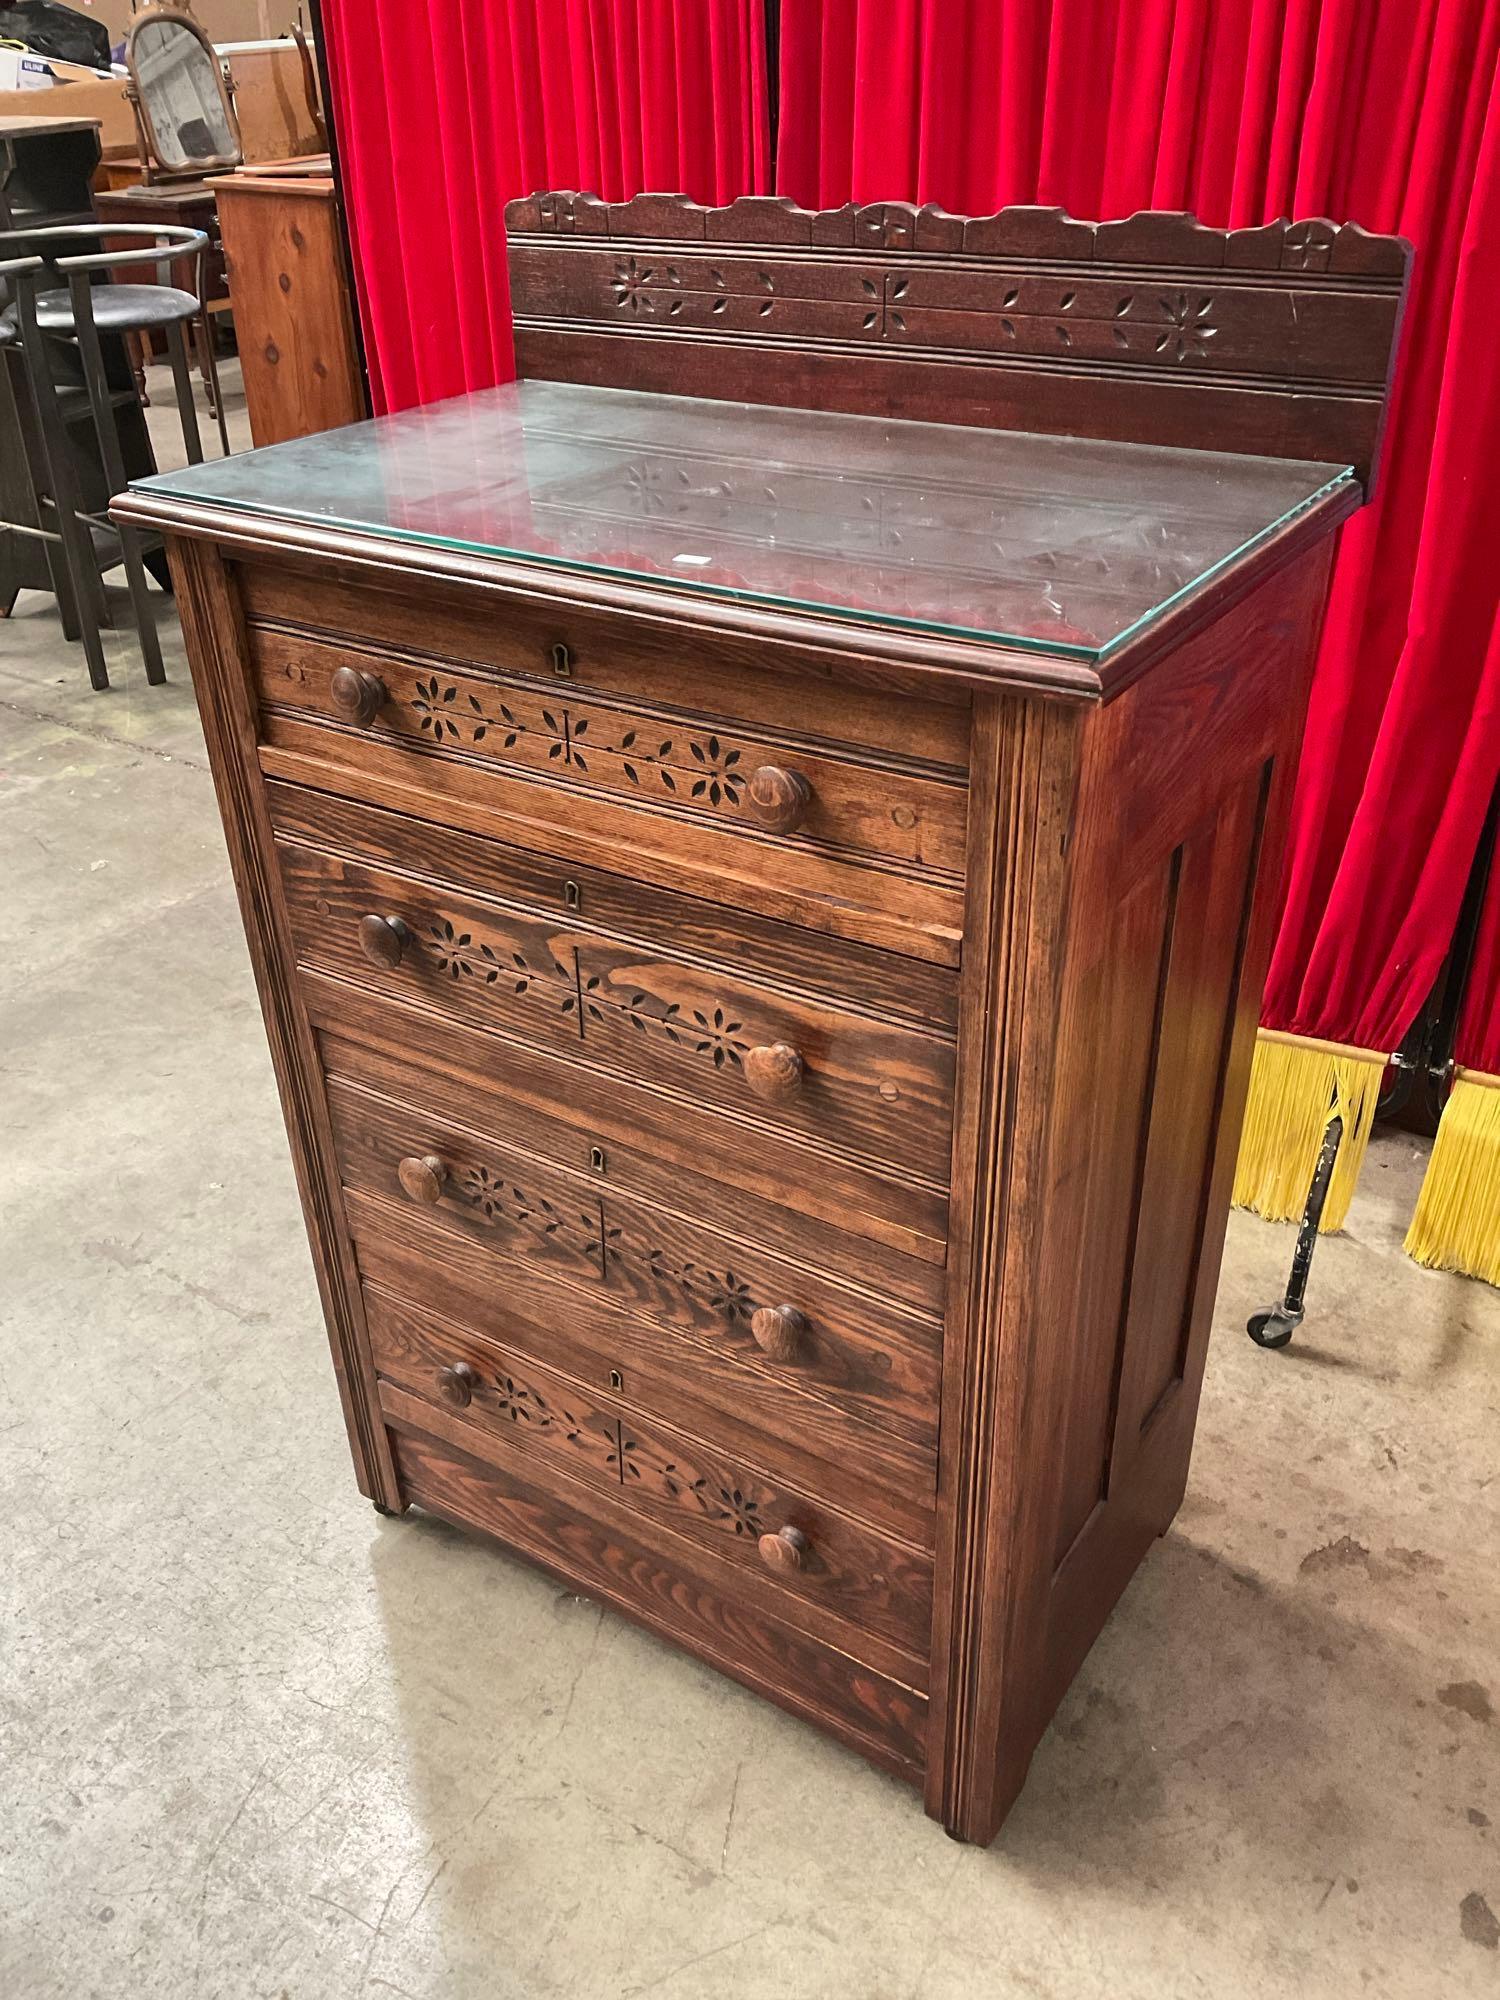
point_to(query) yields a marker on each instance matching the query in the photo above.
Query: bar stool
(45, 316)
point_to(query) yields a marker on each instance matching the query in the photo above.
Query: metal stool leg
(187, 409)
(74, 541)
(97, 381)
(204, 328)
(1275, 1327)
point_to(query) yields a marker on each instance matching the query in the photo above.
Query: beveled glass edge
(1344, 475)
(1089, 655)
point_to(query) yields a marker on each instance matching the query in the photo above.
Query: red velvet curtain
(446, 110)
(1478, 1040)
(1244, 110)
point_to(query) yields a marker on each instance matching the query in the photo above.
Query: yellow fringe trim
(1457, 1223)
(1295, 1085)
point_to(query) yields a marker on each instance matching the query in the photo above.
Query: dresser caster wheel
(1272, 1329)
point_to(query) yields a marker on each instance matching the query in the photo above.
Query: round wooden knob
(785, 1550)
(383, 940)
(423, 1179)
(779, 798)
(774, 1073)
(355, 696)
(778, 1331)
(456, 1384)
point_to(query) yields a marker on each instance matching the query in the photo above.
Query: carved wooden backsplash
(1276, 340)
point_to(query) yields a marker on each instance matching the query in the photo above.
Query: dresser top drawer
(772, 686)
(751, 788)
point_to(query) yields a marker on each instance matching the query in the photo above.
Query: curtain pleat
(1242, 111)
(447, 111)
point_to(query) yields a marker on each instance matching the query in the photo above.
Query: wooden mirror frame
(152, 163)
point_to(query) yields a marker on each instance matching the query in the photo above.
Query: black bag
(57, 32)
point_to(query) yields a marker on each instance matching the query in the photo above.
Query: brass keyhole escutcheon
(598, 1162)
(562, 659)
(616, 1379)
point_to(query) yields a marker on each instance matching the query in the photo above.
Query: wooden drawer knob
(779, 798)
(778, 1331)
(355, 696)
(785, 1550)
(423, 1179)
(774, 1073)
(383, 940)
(456, 1384)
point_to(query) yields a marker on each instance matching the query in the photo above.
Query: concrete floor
(257, 1741)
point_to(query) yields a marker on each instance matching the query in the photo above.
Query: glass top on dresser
(1050, 543)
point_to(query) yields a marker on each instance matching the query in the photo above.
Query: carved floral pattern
(1083, 323)
(432, 703)
(631, 286)
(1189, 328)
(498, 1201)
(717, 1033)
(738, 1510)
(707, 769)
(632, 1460)
(721, 780)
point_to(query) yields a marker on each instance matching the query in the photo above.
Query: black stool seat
(116, 309)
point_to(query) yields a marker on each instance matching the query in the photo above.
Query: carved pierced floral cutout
(883, 300)
(731, 1296)
(696, 769)
(634, 1461)
(720, 1038)
(642, 1464)
(433, 704)
(524, 1405)
(575, 994)
(1189, 328)
(499, 1200)
(588, 1234)
(721, 780)
(631, 286)
(458, 954)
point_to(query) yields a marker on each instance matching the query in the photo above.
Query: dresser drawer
(837, 1078)
(872, 1435)
(712, 777)
(544, 1227)
(820, 1568)
(775, 953)
(701, 767)
(592, 1539)
(633, 1143)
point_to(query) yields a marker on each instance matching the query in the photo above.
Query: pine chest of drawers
(755, 907)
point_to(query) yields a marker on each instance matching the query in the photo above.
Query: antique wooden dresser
(749, 842)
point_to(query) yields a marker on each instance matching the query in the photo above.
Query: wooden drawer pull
(383, 940)
(456, 1384)
(778, 1331)
(785, 1550)
(774, 1073)
(423, 1178)
(357, 697)
(779, 798)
